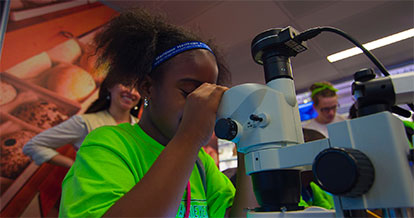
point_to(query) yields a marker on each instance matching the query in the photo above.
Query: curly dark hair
(130, 42)
(324, 93)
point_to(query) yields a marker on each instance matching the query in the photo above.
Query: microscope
(365, 162)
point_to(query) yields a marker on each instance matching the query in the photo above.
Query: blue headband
(178, 49)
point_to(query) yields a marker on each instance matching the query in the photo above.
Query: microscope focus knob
(226, 129)
(343, 171)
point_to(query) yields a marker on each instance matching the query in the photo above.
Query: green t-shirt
(112, 159)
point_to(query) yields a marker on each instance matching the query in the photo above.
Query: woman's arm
(61, 160)
(42, 147)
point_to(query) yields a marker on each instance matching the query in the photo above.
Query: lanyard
(188, 205)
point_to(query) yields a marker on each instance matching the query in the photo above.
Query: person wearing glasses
(325, 102)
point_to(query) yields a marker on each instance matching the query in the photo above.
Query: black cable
(411, 106)
(310, 33)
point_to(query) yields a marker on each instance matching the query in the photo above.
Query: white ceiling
(233, 24)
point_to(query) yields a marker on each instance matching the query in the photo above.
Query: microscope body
(264, 118)
(364, 163)
(281, 123)
(269, 133)
(276, 144)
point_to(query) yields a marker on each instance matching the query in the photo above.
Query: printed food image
(71, 81)
(67, 52)
(32, 67)
(42, 114)
(7, 93)
(13, 161)
(46, 76)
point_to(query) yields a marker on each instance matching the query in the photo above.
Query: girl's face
(167, 97)
(124, 97)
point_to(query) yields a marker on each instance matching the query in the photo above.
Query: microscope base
(318, 212)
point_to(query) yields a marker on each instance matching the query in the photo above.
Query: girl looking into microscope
(149, 169)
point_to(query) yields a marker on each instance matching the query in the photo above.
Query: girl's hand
(200, 113)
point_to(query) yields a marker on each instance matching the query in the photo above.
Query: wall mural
(47, 75)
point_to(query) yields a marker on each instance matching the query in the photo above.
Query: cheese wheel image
(71, 82)
(66, 52)
(32, 67)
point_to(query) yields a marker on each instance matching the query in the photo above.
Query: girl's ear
(144, 86)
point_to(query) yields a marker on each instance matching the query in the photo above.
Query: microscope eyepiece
(273, 49)
(226, 129)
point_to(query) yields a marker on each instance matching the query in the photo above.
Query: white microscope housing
(364, 162)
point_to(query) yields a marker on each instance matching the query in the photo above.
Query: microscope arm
(285, 157)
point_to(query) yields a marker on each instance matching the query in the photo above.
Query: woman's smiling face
(124, 97)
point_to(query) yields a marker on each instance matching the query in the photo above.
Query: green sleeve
(303, 202)
(220, 190)
(409, 124)
(321, 198)
(98, 178)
